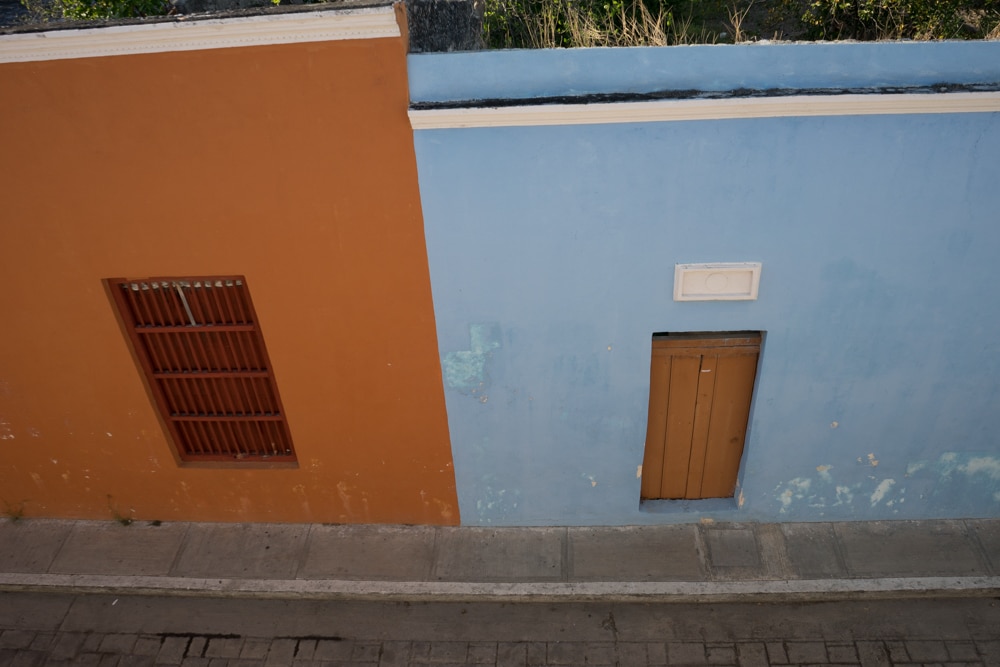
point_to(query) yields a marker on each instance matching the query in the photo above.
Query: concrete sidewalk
(689, 562)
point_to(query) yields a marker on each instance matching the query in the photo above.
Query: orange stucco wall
(292, 165)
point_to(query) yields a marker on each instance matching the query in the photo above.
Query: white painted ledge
(679, 591)
(705, 109)
(192, 35)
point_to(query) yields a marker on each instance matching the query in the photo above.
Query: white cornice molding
(193, 34)
(705, 109)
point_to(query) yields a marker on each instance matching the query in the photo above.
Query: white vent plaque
(733, 281)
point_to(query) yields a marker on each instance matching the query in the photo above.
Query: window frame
(232, 415)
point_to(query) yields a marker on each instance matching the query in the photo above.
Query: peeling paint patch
(844, 496)
(883, 488)
(638, 471)
(795, 489)
(824, 473)
(6, 432)
(986, 465)
(495, 504)
(950, 463)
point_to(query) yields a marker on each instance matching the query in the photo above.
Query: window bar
(249, 386)
(137, 306)
(245, 362)
(197, 301)
(226, 297)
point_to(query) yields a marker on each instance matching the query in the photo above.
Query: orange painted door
(699, 403)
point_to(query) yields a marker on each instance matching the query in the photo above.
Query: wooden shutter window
(201, 349)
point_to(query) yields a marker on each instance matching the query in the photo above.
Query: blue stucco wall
(552, 252)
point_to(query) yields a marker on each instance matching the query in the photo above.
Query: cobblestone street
(41, 629)
(27, 648)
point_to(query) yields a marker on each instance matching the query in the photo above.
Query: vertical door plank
(684, 377)
(702, 420)
(728, 424)
(659, 391)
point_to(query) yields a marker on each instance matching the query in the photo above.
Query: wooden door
(701, 385)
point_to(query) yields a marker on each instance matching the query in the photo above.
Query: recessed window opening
(201, 350)
(701, 386)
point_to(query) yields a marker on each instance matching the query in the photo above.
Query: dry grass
(572, 23)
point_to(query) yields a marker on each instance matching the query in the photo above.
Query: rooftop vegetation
(573, 23)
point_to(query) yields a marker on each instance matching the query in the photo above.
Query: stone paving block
(366, 651)
(280, 653)
(648, 553)
(482, 653)
(16, 639)
(394, 654)
(908, 548)
(420, 651)
(721, 655)
(631, 653)
(731, 549)
(961, 651)
(172, 650)
(872, 654)
(329, 649)
(255, 649)
(43, 641)
(444, 652)
(536, 653)
(842, 654)
(499, 554)
(88, 660)
(600, 653)
(31, 546)
(927, 651)
(656, 653)
(28, 659)
(751, 654)
(512, 654)
(897, 651)
(686, 653)
(305, 649)
(120, 644)
(224, 647)
(812, 550)
(369, 552)
(253, 551)
(94, 547)
(66, 645)
(140, 661)
(196, 648)
(776, 654)
(990, 650)
(196, 662)
(566, 653)
(92, 641)
(147, 645)
(812, 652)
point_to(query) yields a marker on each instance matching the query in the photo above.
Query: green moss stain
(466, 370)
